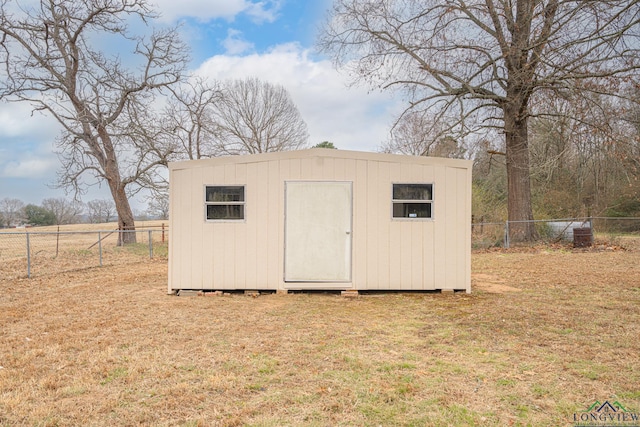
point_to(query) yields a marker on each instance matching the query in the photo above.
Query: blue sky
(269, 39)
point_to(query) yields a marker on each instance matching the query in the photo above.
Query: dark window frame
(233, 202)
(412, 208)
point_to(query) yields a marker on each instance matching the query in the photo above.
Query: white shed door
(317, 231)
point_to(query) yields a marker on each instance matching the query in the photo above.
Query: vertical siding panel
(262, 225)
(171, 268)
(395, 231)
(308, 169)
(339, 170)
(463, 229)
(254, 215)
(383, 187)
(274, 224)
(196, 223)
(295, 169)
(327, 169)
(218, 261)
(286, 174)
(239, 234)
(359, 237)
(417, 254)
(187, 260)
(175, 218)
(177, 252)
(414, 244)
(370, 216)
(417, 237)
(453, 229)
(350, 170)
(207, 233)
(467, 221)
(226, 232)
(428, 271)
(440, 209)
(318, 165)
(406, 235)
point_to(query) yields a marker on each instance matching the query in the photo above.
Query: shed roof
(320, 152)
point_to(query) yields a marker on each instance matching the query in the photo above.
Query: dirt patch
(491, 284)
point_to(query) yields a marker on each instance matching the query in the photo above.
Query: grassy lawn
(544, 334)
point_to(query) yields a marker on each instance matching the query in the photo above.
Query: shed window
(412, 200)
(224, 202)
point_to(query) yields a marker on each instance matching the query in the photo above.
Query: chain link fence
(34, 253)
(37, 253)
(487, 235)
(587, 231)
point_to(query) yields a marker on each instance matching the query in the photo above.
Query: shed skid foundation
(350, 294)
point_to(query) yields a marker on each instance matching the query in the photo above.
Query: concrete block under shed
(188, 293)
(350, 294)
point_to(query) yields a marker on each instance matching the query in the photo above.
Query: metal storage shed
(320, 219)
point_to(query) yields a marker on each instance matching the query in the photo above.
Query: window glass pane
(225, 194)
(412, 191)
(411, 210)
(225, 211)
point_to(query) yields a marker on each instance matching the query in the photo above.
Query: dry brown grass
(544, 334)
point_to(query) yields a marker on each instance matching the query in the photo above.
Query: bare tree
(585, 161)
(188, 119)
(65, 211)
(51, 61)
(206, 119)
(101, 211)
(158, 206)
(418, 134)
(483, 63)
(12, 211)
(257, 117)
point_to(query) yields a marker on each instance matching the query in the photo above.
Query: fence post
(57, 241)
(100, 246)
(28, 257)
(506, 235)
(150, 245)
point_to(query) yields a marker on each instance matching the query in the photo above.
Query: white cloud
(264, 11)
(30, 166)
(17, 121)
(351, 118)
(206, 10)
(235, 44)
(26, 142)
(33, 160)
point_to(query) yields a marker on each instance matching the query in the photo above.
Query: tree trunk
(126, 223)
(518, 177)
